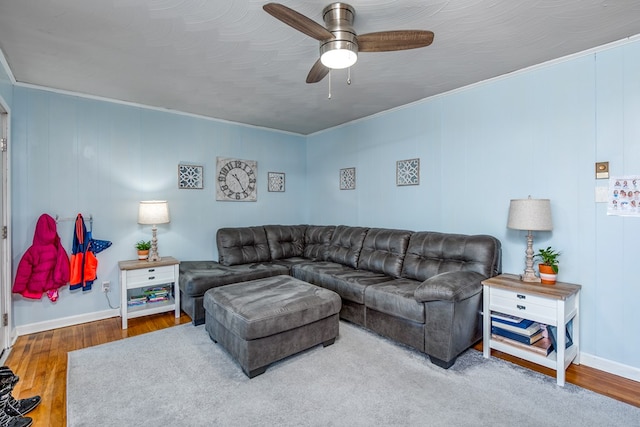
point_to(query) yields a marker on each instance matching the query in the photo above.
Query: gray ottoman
(262, 321)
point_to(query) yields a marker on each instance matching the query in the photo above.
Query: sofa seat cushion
(347, 282)
(265, 307)
(396, 298)
(196, 277)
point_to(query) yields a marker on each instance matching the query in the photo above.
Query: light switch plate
(602, 194)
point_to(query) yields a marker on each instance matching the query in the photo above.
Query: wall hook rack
(59, 219)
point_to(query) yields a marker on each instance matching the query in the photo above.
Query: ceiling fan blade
(385, 41)
(317, 72)
(298, 21)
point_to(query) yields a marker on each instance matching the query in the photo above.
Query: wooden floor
(40, 360)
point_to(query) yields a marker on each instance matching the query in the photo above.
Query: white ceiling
(231, 60)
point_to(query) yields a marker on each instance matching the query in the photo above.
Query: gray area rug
(179, 377)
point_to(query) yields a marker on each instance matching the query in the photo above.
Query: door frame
(6, 337)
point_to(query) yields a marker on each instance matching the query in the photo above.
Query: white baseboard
(609, 366)
(32, 328)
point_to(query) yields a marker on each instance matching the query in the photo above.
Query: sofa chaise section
(243, 255)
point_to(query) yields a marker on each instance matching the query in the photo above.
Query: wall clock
(236, 180)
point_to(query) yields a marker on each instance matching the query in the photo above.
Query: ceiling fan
(339, 43)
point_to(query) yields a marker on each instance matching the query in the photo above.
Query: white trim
(610, 366)
(63, 322)
(5, 65)
(6, 270)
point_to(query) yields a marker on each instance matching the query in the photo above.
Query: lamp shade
(530, 214)
(153, 212)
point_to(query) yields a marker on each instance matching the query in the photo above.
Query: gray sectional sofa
(421, 289)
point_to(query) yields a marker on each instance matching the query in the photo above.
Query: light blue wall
(535, 133)
(71, 155)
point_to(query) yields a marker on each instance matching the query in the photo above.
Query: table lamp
(530, 215)
(153, 212)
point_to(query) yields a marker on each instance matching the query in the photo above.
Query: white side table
(554, 305)
(136, 276)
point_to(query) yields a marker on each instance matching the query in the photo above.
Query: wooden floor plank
(40, 360)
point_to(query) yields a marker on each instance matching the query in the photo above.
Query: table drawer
(520, 297)
(150, 276)
(525, 308)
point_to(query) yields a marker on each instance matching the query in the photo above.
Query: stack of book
(136, 300)
(522, 333)
(157, 294)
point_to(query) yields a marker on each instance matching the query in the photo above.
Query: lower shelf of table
(549, 361)
(150, 308)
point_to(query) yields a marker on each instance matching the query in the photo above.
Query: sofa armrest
(451, 286)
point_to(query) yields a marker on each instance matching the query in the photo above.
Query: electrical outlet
(106, 287)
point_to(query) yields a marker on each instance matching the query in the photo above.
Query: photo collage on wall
(623, 197)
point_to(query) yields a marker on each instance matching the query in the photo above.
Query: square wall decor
(190, 177)
(408, 172)
(348, 179)
(276, 181)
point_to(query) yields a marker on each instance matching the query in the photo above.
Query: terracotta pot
(143, 254)
(547, 275)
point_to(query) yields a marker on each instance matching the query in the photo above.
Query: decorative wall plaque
(276, 181)
(348, 179)
(408, 172)
(190, 177)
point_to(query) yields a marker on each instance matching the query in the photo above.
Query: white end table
(136, 275)
(554, 305)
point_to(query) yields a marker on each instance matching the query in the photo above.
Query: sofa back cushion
(431, 253)
(383, 251)
(346, 244)
(285, 241)
(316, 241)
(242, 245)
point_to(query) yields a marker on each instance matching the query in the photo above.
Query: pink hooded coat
(45, 265)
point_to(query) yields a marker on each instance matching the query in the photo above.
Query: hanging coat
(84, 264)
(45, 265)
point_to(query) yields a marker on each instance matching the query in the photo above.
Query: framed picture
(408, 172)
(348, 179)
(236, 180)
(190, 177)
(276, 181)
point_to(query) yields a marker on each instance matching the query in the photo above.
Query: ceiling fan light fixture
(338, 54)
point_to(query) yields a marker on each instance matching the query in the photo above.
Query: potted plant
(143, 248)
(548, 266)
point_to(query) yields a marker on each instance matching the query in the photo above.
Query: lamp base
(529, 276)
(153, 253)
